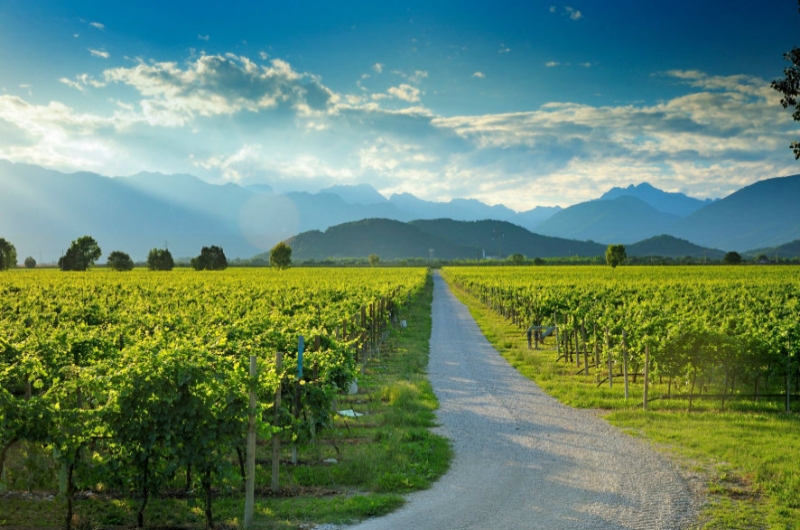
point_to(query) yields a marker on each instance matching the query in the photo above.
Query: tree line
(85, 251)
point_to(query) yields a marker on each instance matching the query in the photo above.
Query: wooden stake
(625, 363)
(250, 480)
(646, 375)
(276, 440)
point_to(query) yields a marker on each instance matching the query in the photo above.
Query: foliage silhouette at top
(159, 259)
(81, 255)
(789, 86)
(210, 259)
(8, 255)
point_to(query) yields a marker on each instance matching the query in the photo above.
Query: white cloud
(573, 14)
(97, 25)
(228, 119)
(218, 85)
(418, 76)
(479, 75)
(551, 64)
(552, 9)
(405, 92)
(99, 53)
(377, 67)
(504, 49)
(204, 37)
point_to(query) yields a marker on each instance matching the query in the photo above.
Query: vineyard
(138, 381)
(717, 333)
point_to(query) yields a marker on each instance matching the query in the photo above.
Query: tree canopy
(30, 263)
(119, 261)
(210, 259)
(732, 258)
(280, 256)
(160, 259)
(8, 255)
(789, 86)
(615, 255)
(81, 255)
(373, 260)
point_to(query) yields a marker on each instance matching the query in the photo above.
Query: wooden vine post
(610, 372)
(276, 439)
(646, 375)
(625, 364)
(555, 323)
(250, 480)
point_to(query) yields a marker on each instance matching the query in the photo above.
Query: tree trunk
(207, 491)
(145, 494)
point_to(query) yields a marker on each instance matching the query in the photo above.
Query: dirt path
(523, 460)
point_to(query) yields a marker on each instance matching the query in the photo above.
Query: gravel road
(523, 460)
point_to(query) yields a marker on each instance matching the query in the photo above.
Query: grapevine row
(135, 379)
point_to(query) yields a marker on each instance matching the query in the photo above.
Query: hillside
(764, 214)
(393, 240)
(498, 238)
(389, 239)
(671, 247)
(624, 220)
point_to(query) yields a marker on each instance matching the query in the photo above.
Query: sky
(534, 103)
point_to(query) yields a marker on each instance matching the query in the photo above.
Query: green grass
(387, 452)
(748, 454)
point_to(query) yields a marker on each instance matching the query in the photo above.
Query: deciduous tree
(120, 261)
(8, 255)
(160, 259)
(789, 86)
(210, 259)
(281, 256)
(81, 255)
(615, 255)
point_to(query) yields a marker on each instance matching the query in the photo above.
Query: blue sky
(521, 103)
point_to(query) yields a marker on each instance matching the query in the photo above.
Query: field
(722, 345)
(133, 385)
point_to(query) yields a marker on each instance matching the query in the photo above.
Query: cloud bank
(231, 118)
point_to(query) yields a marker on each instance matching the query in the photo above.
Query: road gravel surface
(522, 459)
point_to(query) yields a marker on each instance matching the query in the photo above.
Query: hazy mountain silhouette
(673, 203)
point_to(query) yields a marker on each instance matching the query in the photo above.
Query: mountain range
(42, 210)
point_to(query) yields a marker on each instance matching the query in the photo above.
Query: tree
(615, 255)
(280, 256)
(373, 259)
(789, 86)
(8, 255)
(210, 259)
(160, 260)
(81, 255)
(30, 263)
(119, 261)
(517, 259)
(732, 258)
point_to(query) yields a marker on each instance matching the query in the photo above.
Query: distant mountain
(671, 247)
(447, 239)
(624, 220)
(359, 194)
(41, 211)
(764, 214)
(676, 204)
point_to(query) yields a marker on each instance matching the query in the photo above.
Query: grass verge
(359, 468)
(748, 454)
